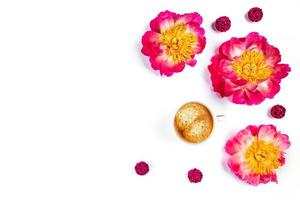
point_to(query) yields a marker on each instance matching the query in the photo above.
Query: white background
(79, 104)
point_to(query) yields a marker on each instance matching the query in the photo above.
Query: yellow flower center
(251, 66)
(262, 157)
(179, 42)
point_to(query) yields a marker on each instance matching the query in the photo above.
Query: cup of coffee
(194, 122)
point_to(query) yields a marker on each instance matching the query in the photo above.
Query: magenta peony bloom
(173, 41)
(255, 153)
(247, 69)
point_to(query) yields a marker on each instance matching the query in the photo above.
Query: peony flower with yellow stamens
(248, 70)
(173, 41)
(255, 153)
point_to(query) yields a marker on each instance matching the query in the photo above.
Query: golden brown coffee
(194, 122)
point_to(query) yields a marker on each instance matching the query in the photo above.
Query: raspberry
(195, 175)
(255, 14)
(141, 168)
(223, 24)
(278, 111)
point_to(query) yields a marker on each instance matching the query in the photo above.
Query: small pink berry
(255, 14)
(141, 168)
(223, 24)
(195, 175)
(278, 111)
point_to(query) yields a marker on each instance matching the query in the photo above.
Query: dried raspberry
(195, 175)
(223, 24)
(278, 111)
(255, 14)
(141, 168)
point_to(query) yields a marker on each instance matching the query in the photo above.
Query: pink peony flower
(256, 152)
(247, 69)
(173, 41)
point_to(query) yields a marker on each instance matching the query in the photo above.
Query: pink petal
(282, 141)
(232, 146)
(191, 18)
(271, 177)
(239, 97)
(163, 21)
(254, 97)
(272, 55)
(267, 133)
(269, 88)
(223, 76)
(178, 67)
(151, 44)
(240, 142)
(239, 167)
(165, 65)
(252, 179)
(198, 31)
(232, 48)
(222, 85)
(255, 41)
(282, 159)
(253, 129)
(229, 88)
(192, 62)
(281, 71)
